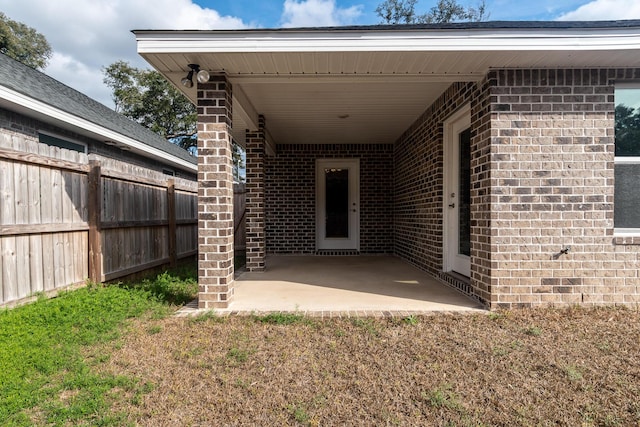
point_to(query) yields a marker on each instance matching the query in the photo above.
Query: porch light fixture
(201, 75)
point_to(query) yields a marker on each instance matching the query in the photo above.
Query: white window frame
(338, 243)
(625, 160)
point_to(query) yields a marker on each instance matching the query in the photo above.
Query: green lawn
(48, 350)
(113, 355)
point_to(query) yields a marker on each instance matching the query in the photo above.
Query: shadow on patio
(344, 284)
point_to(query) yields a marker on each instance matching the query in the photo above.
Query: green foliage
(44, 373)
(207, 316)
(23, 43)
(503, 317)
(154, 329)
(280, 318)
(40, 350)
(175, 288)
(367, 324)
(533, 331)
(573, 373)
(397, 11)
(411, 320)
(238, 355)
(443, 397)
(299, 413)
(146, 97)
(404, 12)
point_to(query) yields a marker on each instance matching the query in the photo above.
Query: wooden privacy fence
(65, 218)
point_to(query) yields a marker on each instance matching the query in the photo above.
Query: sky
(87, 35)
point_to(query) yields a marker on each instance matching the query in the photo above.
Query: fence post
(95, 209)
(171, 206)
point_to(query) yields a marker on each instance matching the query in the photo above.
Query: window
(627, 159)
(62, 143)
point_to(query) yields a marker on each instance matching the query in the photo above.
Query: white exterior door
(338, 204)
(457, 200)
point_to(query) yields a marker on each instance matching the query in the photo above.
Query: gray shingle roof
(501, 25)
(36, 85)
(484, 25)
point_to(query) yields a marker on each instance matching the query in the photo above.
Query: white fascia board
(380, 41)
(47, 110)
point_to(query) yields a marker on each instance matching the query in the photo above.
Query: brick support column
(215, 194)
(255, 198)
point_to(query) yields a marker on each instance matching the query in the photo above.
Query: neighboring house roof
(33, 93)
(367, 84)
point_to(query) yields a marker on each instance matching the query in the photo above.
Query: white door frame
(353, 241)
(453, 261)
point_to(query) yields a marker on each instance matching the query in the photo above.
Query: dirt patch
(538, 367)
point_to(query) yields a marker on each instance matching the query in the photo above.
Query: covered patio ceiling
(368, 84)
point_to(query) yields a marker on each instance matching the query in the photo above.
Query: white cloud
(318, 13)
(86, 36)
(85, 79)
(599, 10)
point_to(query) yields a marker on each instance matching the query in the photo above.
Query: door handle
(452, 205)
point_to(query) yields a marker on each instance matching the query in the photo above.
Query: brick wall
(419, 186)
(542, 149)
(542, 180)
(552, 187)
(290, 196)
(255, 238)
(215, 194)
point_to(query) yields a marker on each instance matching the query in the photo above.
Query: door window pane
(464, 191)
(337, 203)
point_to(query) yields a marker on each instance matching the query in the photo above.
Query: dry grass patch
(541, 367)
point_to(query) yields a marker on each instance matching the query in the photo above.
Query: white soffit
(306, 81)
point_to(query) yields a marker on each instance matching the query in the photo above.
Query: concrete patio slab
(343, 285)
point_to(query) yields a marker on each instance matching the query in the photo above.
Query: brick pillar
(215, 194)
(255, 198)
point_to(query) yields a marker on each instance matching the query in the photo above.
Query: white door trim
(353, 241)
(453, 261)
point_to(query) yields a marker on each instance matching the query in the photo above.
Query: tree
(23, 43)
(146, 97)
(149, 99)
(403, 12)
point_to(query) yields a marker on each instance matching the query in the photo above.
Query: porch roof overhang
(369, 84)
